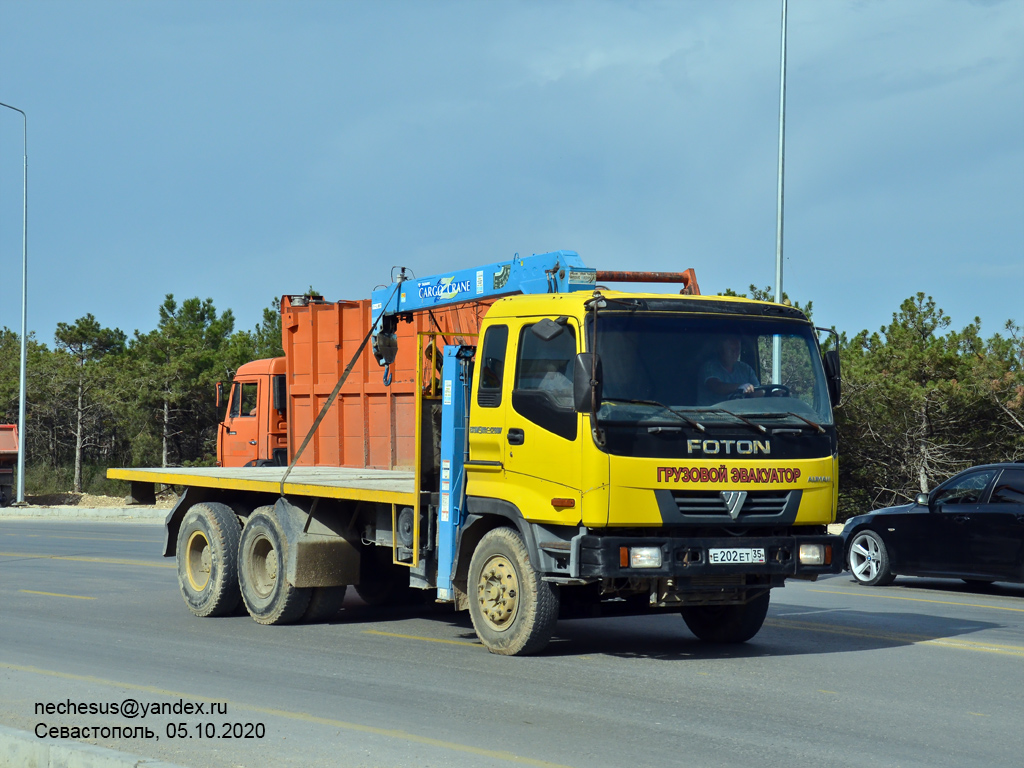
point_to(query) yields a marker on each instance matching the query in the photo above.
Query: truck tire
(208, 559)
(324, 604)
(513, 611)
(268, 596)
(727, 623)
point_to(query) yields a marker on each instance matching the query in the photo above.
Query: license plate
(730, 556)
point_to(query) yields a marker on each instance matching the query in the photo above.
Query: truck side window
(492, 366)
(236, 399)
(248, 400)
(543, 388)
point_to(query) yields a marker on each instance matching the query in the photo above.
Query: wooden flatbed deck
(390, 486)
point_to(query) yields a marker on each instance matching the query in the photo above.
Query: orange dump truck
(273, 403)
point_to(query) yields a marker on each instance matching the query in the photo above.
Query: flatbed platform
(390, 486)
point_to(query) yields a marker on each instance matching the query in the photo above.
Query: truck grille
(758, 504)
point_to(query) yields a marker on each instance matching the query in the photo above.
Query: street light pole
(24, 313)
(777, 341)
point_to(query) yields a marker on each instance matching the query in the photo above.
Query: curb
(20, 749)
(138, 514)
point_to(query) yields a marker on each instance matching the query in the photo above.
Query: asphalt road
(922, 673)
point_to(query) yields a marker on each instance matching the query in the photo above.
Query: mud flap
(315, 555)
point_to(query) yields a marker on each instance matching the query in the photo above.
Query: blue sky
(242, 150)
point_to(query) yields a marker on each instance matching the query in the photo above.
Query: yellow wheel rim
(198, 560)
(498, 592)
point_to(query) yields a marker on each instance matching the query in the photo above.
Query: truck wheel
(324, 604)
(268, 596)
(513, 611)
(727, 623)
(208, 559)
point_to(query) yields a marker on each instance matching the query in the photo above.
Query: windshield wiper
(746, 421)
(794, 415)
(695, 424)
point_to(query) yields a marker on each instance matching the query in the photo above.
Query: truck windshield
(673, 367)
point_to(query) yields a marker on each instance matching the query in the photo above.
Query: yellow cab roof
(572, 304)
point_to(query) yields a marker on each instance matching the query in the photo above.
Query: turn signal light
(563, 503)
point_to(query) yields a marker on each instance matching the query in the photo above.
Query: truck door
(241, 427)
(485, 473)
(542, 445)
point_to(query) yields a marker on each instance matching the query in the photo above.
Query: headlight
(815, 554)
(645, 557)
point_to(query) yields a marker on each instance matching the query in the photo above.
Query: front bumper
(599, 556)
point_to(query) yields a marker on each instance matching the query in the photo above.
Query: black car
(971, 527)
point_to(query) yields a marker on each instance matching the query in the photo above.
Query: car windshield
(674, 367)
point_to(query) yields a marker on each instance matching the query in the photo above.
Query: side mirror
(835, 380)
(582, 390)
(220, 394)
(922, 499)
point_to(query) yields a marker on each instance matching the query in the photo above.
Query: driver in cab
(727, 375)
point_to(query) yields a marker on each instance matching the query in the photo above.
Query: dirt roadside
(90, 501)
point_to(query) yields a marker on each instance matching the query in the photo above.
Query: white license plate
(730, 556)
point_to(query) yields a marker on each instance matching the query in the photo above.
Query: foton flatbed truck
(536, 446)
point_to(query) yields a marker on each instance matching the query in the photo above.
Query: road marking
(112, 539)
(300, 716)
(108, 560)
(946, 642)
(917, 600)
(424, 639)
(978, 714)
(822, 690)
(54, 594)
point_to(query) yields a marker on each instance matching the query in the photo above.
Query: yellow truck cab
(595, 427)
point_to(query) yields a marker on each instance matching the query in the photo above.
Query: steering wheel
(773, 390)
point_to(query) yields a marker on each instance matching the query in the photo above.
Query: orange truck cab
(254, 432)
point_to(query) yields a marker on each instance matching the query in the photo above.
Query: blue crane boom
(554, 272)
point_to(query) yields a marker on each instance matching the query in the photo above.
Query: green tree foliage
(98, 399)
(262, 342)
(176, 367)
(923, 402)
(83, 365)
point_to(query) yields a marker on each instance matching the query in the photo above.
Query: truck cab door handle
(516, 436)
(252, 442)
